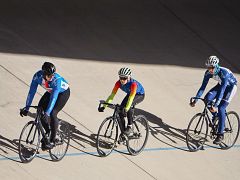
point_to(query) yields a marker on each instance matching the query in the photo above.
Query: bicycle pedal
(58, 142)
(212, 137)
(115, 146)
(122, 142)
(133, 137)
(122, 139)
(137, 135)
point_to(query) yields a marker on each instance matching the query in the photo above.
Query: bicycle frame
(205, 114)
(115, 115)
(38, 123)
(205, 110)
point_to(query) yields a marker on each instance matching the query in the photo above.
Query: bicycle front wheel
(61, 142)
(196, 132)
(29, 142)
(138, 139)
(107, 136)
(231, 130)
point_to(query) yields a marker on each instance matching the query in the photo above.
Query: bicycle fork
(34, 135)
(112, 124)
(229, 130)
(201, 119)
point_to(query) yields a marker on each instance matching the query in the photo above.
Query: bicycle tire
(200, 134)
(58, 152)
(27, 138)
(106, 137)
(231, 130)
(140, 129)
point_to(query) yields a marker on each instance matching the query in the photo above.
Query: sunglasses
(210, 68)
(123, 78)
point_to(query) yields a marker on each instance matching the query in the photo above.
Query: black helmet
(48, 68)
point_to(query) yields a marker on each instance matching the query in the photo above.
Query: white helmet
(125, 72)
(212, 61)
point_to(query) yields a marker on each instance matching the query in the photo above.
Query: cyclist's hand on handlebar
(23, 112)
(101, 109)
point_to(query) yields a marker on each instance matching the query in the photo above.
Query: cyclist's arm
(53, 98)
(204, 84)
(114, 91)
(223, 88)
(131, 95)
(32, 90)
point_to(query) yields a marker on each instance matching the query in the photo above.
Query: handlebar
(209, 103)
(38, 108)
(35, 107)
(112, 106)
(194, 98)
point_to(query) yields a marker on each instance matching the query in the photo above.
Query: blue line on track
(95, 153)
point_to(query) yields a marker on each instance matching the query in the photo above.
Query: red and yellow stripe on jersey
(132, 94)
(132, 88)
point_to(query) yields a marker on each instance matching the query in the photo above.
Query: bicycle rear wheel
(107, 136)
(62, 141)
(231, 130)
(29, 142)
(196, 132)
(138, 139)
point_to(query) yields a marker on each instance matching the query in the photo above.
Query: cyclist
(52, 101)
(135, 94)
(223, 92)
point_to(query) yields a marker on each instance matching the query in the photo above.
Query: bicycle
(33, 131)
(197, 131)
(108, 132)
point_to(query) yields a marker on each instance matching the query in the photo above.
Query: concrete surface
(164, 42)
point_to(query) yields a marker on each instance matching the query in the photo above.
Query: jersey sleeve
(204, 84)
(114, 91)
(132, 94)
(32, 90)
(54, 95)
(224, 83)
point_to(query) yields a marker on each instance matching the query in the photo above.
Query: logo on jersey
(46, 86)
(64, 85)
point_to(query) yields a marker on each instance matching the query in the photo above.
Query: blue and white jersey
(55, 86)
(224, 77)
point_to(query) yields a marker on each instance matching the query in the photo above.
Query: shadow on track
(78, 138)
(9, 148)
(165, 133)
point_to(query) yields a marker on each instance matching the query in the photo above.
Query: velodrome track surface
(164, 42)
